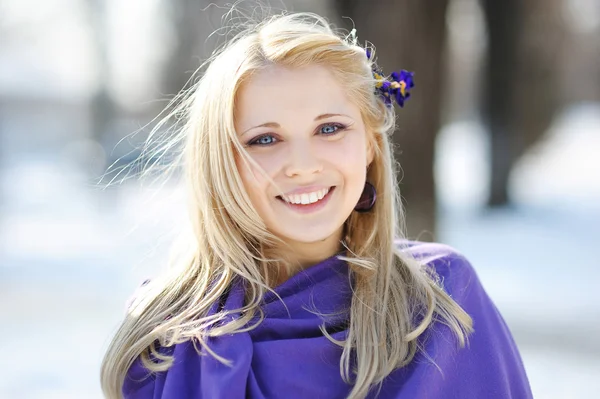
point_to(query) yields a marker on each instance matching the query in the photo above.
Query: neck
(302, 255)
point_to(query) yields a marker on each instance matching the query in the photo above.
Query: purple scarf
(287, 356)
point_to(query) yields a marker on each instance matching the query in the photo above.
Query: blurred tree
(193, 23)
(504, 28)
(522, 90)
(411, 35)
(186, 19)
(540, 50)
(103, 109)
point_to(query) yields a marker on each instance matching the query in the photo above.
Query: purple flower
(401, 91)
(398, 88)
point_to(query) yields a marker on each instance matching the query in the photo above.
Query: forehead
(276, 92)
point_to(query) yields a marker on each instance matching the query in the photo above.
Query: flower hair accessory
(398, 88)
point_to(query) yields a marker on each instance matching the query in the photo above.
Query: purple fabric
(288, 356)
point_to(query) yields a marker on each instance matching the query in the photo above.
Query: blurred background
(499, 147)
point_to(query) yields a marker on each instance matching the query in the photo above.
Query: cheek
(253, 176)
(350, 155)
(266, 163)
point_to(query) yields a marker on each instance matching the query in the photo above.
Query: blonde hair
(395, 297)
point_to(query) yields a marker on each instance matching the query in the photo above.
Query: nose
(302, 160)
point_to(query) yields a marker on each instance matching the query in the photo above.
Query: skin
(303, 131)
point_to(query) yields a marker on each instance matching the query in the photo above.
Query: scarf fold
(286, 351)
(287, 348)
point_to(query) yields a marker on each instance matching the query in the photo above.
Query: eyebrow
(276, 125)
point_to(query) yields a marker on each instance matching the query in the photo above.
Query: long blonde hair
(395, 297)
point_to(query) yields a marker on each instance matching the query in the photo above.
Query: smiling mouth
(306, 198)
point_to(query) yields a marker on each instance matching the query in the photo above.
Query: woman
(298, 282)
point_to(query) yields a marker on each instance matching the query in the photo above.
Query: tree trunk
(537, 84)
(103, 110)
(504, 27)
(522, 91)
(192, 21)
(410, 35)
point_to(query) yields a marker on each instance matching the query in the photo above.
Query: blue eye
(330, 129)
(263, 140)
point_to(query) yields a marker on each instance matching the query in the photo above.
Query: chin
(310, 237)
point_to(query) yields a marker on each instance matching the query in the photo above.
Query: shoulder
(428, 252)
(491, 365)
(455, 272)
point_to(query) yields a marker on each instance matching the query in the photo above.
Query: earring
(367, 199)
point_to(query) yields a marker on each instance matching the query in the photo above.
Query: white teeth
(306, 198)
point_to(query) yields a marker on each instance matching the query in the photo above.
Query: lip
(307, 189)
(309, 208)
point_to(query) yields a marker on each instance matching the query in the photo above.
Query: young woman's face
(310, 139)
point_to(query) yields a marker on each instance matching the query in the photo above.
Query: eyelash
(339, 128)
